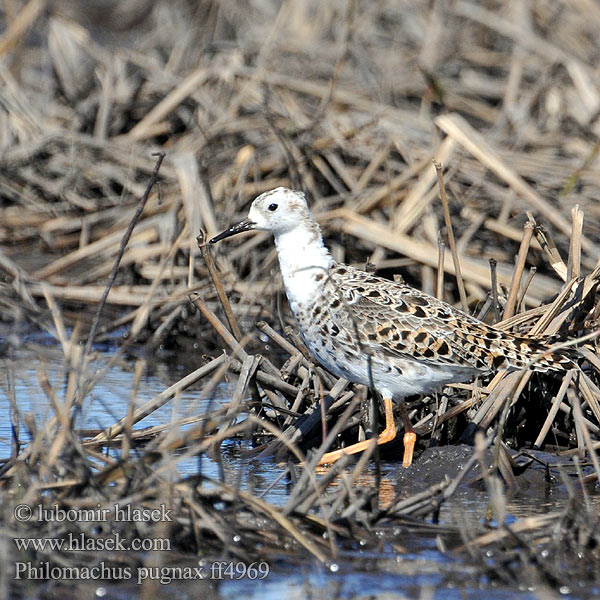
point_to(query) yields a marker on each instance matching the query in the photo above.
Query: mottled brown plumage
(400, 327)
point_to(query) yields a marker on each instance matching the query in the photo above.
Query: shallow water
(109, 402)
(383, 574)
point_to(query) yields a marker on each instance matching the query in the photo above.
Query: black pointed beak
(246, 225)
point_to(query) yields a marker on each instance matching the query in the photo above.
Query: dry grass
(352, 102)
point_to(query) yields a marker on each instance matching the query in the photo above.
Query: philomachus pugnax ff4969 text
(378, 332)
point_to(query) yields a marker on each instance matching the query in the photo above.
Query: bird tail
(548, 353)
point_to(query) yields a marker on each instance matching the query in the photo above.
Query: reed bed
(126, 145)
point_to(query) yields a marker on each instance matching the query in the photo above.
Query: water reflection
(109, 401)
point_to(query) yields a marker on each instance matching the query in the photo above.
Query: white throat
(302, 256)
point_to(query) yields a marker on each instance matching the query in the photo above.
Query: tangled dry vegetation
(352, 102)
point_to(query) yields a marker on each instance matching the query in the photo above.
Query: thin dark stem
(113, 276)
(494, 274)
(123, 245)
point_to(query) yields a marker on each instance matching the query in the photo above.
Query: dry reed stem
(17, 28)
(509, 309)
(457, 127)
(439, 282)
(285, 523)
(494, 283)
(547, 243)
(450, 233)
(210, 265)
(574, 262)
(472, 270)
(151, 405)
(554, 409)
(523, 292)
(229, 339)
(418, 199)
(582, 428)
(124, 241)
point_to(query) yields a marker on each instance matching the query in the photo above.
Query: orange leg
(410, 437)
(387, 435)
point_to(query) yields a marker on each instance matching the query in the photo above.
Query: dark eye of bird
(273, 207)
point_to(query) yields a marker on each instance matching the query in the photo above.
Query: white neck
(302, 255)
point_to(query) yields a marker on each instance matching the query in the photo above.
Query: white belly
(400, 378)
